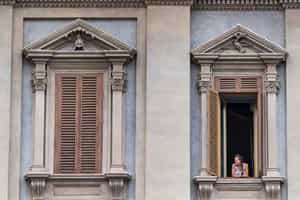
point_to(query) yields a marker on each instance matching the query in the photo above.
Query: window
(78, 123)
(234, 124)
(238, 86)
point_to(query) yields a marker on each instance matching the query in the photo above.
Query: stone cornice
(196, 4)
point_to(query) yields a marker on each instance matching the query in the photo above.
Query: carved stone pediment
(79, 39)
(237, 44)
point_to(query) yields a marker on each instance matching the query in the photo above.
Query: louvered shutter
(237, 84)
(78, 123)
(89, 124)
(214, 133)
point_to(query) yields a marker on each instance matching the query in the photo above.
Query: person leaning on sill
(239, 168)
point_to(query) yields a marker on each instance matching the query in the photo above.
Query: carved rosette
(119, 81)
(38, 185)
(39, 80)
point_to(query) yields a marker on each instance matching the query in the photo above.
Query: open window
(234, 111)
(238, 86)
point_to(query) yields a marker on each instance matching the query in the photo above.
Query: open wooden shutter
(78, 123)
(214, 133)
(237, 84)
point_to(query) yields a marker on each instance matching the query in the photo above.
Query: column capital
(119, 77)
(272, 83)
(204, 81)
(272, 86)
(39, 76)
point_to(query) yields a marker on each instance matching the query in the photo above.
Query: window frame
(50, 113)
(259, 133)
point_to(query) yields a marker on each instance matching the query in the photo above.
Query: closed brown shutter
(78, 123)
(214, 133)
(237, 84)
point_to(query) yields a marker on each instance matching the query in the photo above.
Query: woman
(239, 168)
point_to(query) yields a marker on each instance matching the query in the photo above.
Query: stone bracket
(205, 186)
(118, 184)
(38, 184)
(273, 187)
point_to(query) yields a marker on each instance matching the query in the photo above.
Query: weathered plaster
(6, 23)
(167, 106)
(293, 102)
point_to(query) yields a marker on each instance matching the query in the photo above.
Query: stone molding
(239, 45)
(196, 4)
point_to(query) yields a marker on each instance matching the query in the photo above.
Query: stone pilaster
(39, 84)
(204, 84)
(118, 176)
(271, 88)
(118, 86)
(272, 179)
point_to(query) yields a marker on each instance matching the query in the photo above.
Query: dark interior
(239, 125)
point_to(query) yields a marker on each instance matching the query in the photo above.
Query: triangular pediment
(79, 36)
(238, 41)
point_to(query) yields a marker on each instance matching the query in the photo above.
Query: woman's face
(237, 161)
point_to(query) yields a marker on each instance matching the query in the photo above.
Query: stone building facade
(149, 99)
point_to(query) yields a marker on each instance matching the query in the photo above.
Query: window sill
(75, 177)
(239, 184)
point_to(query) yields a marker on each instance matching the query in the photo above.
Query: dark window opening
(237, 132)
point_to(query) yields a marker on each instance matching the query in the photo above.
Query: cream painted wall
(167, 103)
(293, 102)
(6, 14)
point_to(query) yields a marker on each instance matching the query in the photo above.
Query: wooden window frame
(106, 115)
(78, 164)
(258, 133)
